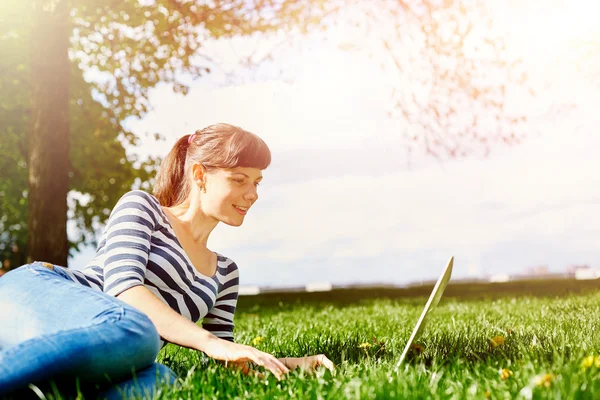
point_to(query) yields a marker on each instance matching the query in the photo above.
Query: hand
(245, 367)
(239, 354)
(309, 363)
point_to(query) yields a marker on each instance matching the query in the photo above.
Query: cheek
(220, 199)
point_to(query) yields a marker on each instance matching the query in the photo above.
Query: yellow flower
(257, 340)
(545, 380)
(588, 362)
(497, 341)
(505, 373)
(364, 345)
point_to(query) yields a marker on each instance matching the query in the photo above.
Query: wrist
(288, 362)
(206, 341)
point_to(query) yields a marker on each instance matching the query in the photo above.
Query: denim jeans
(54, 331)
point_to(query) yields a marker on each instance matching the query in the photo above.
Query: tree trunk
(49, 132)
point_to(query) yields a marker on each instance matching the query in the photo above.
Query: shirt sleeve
(128, 234)
(219, 320)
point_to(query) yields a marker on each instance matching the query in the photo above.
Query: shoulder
(140, 203)
(226, 265)
(139, 196)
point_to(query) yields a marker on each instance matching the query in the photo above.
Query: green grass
(548, 333)
(549, 329)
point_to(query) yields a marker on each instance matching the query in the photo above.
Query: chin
(231, 222)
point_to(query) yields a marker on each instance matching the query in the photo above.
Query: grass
(514, 340)
(482, 342)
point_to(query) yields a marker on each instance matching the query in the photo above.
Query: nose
(252, 194)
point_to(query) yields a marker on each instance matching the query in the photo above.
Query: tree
(65, 131)
(49, 134)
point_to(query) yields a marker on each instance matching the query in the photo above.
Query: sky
(344, 202)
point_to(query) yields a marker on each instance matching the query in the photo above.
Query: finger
(321, 360)
(281, 366)
(328, 364)
(264, 361)
(276, 366)
(275, 370)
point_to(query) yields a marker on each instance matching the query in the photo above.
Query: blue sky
(342, 201)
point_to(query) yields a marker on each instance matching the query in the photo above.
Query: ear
(198, 172)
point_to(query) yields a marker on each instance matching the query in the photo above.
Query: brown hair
(216, 146)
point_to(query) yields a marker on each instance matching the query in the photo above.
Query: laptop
(434, 299)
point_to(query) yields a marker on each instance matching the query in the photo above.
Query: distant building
(248, 290)
(318, 287)
(500, 278)
(583, 272)
(539, 272)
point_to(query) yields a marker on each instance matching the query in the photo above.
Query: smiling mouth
(241, 210)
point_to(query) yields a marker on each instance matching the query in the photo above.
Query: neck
(195, 224)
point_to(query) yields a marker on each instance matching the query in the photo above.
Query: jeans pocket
(39, 267)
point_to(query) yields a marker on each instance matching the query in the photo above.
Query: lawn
(537, 339)
(514, 340)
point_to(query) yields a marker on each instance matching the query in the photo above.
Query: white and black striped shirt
(139, 247)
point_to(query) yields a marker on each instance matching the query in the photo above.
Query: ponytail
(171, 186)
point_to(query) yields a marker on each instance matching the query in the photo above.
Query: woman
(151, 280)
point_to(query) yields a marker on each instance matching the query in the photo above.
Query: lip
(240, 211)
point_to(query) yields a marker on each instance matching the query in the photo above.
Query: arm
(219, 319)
(128, 235)
(170, 325)
(181, 331)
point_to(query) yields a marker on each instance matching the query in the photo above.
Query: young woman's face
(230, 193)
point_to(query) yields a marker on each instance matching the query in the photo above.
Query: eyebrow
(241, 173)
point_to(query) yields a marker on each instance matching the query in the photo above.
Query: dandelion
(365, 346)
(590, 361)
(505, 373)
(257, 340)
(497, 341)
(545, 380)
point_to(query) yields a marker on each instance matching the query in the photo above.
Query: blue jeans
(54, 331)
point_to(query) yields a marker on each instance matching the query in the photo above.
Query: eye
(240, 181)
(256, 184)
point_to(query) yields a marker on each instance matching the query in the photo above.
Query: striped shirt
(139, 247)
